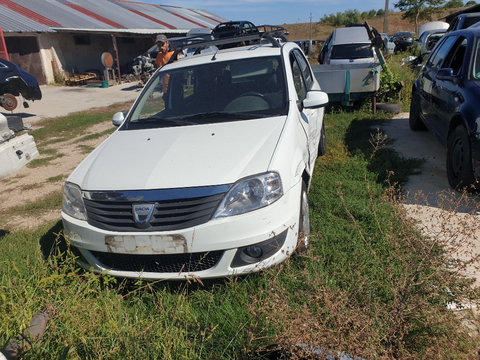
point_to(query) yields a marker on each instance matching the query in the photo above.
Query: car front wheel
(304, 221)
(459, 159)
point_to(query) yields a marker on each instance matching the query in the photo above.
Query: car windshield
(214, 92)
(352, 51)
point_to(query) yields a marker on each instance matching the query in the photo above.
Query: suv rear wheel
(459, 159)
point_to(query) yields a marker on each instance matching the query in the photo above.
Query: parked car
(432, 25)
(427, 41)
(14, 81)
(207, 174)
(388, 44)
(445, 101)
(403, 40)
(464, 21)
(346, 46)
(232, 29)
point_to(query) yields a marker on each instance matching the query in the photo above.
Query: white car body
(151, 165)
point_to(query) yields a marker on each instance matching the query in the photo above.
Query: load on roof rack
(271, 33)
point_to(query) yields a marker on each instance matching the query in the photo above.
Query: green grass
(85, 149)
(54, 179)
(48, 202)
(368, 285)
(71, 125)
(43, 160)
(95, 135)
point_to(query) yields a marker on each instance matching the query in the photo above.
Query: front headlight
(73, 202)
(250, 194)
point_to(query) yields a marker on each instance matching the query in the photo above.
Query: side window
(300, 87)
(454, 59)
(476, 60)
(305, 69)
(436, 60)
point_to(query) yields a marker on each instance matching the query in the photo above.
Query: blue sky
(275, 12)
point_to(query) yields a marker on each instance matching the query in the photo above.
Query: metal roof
(11, 21)
(52, 15)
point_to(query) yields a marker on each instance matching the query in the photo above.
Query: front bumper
(217, 241)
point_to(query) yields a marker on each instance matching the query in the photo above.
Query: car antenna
(214, 55)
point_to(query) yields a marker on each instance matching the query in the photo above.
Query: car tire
(322, 145)
(303, 222)
(459, 159)
(414, 120)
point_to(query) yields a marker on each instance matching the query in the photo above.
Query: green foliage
(470, 3)
(453, 4)
(415, 10)
(390, 86)
(347, 17)
(380, 12)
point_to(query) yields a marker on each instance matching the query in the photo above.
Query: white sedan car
(207, 174)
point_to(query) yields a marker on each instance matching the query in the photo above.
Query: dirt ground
(31, 184)
(438, 211)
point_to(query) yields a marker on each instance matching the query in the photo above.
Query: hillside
(321, 31)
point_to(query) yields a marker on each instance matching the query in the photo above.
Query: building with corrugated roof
(49, 37)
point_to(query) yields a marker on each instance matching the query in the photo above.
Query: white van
(348, 45)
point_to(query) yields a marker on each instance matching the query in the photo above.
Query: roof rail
(269, 33)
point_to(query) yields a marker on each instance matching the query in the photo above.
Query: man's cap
(161, 38)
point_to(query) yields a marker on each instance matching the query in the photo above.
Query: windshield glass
(218, 91)
(352, 51)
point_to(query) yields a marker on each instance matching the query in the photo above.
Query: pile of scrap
(80, 79)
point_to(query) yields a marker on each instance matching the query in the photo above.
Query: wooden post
(114, 41)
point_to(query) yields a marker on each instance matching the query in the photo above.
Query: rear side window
(454, 59)
(352, 51)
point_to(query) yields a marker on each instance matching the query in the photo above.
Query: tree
(470, 3)
(415, 10)
(453, 4)
(380, 12)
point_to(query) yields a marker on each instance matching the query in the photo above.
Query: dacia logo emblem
(142, 213)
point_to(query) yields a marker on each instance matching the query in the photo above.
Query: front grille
(172, 263)
(169, 214)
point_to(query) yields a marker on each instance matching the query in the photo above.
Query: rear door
(428, 76)
(446, 94)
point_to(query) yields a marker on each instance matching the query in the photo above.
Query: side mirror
(315, 99)
(445, 74)
(118, 118)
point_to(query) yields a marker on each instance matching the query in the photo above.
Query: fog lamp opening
(255, 253)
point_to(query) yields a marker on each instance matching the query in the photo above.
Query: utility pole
(385, 19)
(310, 26)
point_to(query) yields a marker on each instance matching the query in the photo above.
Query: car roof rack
(272, 33)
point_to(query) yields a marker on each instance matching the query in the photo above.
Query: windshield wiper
(165, 121)
(219, 116)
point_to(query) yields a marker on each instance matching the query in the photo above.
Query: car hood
(178, 157)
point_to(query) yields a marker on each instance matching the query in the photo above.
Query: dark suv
(403, 40)
(445, 100)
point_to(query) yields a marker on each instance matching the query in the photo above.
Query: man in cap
(163, 55)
